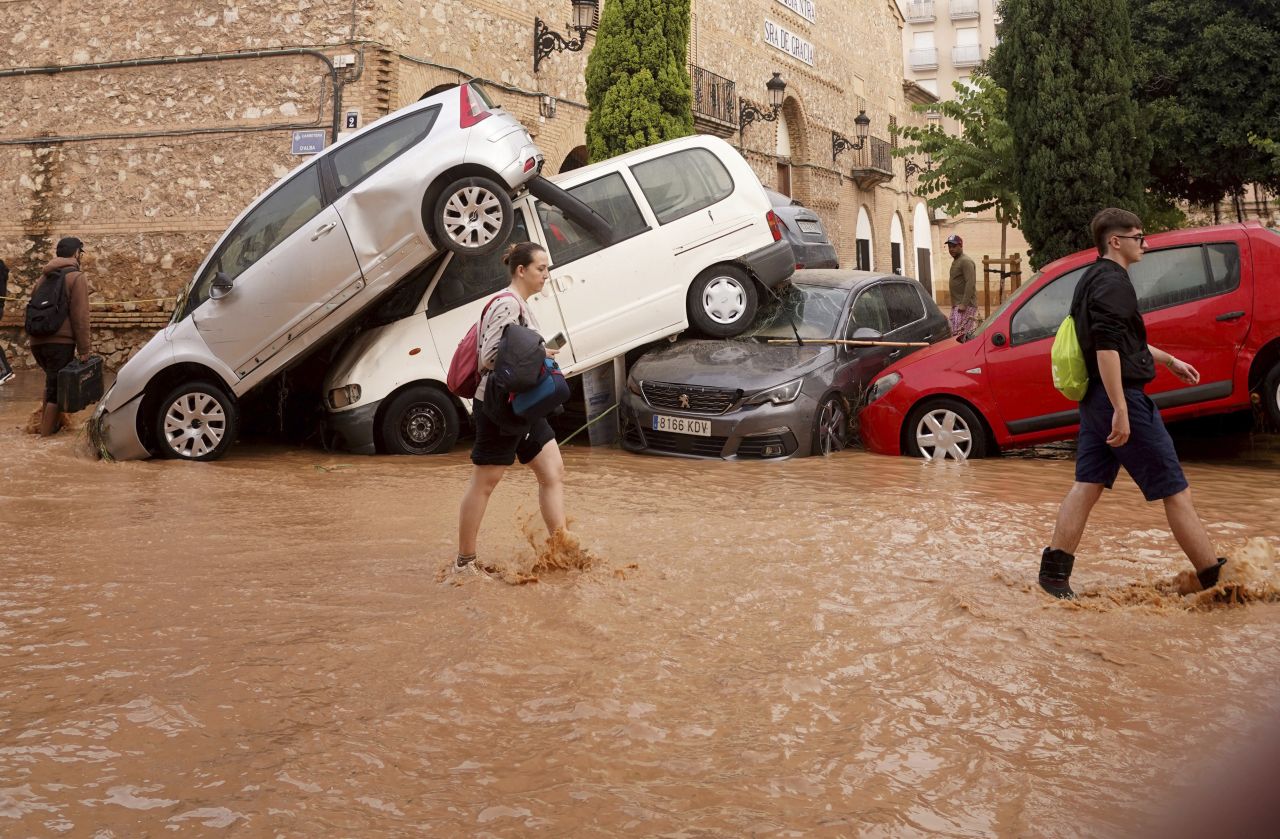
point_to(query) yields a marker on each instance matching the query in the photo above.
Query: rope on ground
(589, 423)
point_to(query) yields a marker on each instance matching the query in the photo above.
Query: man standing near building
(964, 288)
(67, 335)
(1119, 424)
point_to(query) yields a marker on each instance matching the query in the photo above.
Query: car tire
(830, 427)
(195, 421)
(1271, 394)
(420, 420)
(966, 435)
(472, 216)
(722, 301)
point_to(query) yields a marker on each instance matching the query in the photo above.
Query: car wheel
(830, 427)
(420, 420)
(196, 421)
(472, 216)
(722, 301)
(944, 429)
(1271, 394)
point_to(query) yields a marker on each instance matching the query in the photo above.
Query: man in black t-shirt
(1119, 424)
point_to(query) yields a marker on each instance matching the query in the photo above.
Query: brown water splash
(1250, 576)
(561, 552)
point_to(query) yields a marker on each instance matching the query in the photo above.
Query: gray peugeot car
(775, 391)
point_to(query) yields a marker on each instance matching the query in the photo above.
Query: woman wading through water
(494, 449)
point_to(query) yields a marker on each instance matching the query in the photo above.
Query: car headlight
(780, 395)
(883, 385)
(341, 397)
(633, 385)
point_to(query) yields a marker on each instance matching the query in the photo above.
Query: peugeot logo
(684, 400)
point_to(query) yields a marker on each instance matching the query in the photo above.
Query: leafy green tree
(1271, 149)
(972, 171)
(637, 81)
(1079, 142)
(1206, 74)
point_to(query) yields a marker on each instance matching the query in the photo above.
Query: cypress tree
(1079, 142)
(637, 82)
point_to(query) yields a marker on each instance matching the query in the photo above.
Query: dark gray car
(803, 229)
(748, 398)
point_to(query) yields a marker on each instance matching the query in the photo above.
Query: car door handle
(895, 353)
(1230, 316)
(562, 283)
(323, 229)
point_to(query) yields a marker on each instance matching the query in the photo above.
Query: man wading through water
(1119, 424)
(495, 449)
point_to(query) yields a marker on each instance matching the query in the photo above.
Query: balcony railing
(964, 9)
(714, 97)
(920, 11)
(873, 163)
(966, 55)
(924, 59)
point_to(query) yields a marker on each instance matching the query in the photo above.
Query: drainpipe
(54, 69)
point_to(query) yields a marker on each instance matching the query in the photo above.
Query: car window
(608, 196)
(374, 149)
(813, 310)
(1046, 310)
(270, 223)
(678, 184)
(1178, 275)
(468, 278)
(871, 311)
(905, 305)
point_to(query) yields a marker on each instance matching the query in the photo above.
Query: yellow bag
(1070, 376)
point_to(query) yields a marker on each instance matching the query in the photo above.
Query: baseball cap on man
(69, 246)
(953, 239)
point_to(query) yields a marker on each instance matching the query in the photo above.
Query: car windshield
(1000, 310)
(815, 310)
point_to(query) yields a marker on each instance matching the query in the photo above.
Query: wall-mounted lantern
(749, 113)
(547, 106)
(840, 143)
(547, 41)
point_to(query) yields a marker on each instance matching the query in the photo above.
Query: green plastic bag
(1070, 376)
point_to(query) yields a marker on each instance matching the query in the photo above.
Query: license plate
(809, 226)
(682, 425)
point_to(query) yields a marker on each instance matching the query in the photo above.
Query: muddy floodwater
(264, 646)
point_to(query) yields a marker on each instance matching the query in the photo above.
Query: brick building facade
(145, 130)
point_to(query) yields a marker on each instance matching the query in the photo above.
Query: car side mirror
(866, 333)
(998, 339)
(221, 286)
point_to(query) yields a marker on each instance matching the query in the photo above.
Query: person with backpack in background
(58, 322)
(496, 446)
(1119, 424)
(6, 372)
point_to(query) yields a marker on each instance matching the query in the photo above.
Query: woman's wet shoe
(1208, 577)
(1055, 573)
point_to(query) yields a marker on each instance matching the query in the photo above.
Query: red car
(1210, 296)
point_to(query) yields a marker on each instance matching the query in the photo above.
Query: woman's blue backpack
(550, 392)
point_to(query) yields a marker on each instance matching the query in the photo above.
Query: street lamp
(547, 106)
(914, 168)
(749, 113)
(839, 142)
(546, 40)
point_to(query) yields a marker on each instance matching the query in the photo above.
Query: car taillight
(472, 112)
(528, 164)
(775, 225)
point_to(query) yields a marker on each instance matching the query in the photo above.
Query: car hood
(947, 354)
(739, 364)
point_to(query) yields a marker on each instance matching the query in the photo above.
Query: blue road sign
(308, 142)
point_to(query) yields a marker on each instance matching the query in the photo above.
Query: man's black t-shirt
(1105, 307)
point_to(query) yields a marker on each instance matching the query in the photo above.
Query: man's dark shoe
(1209, 576)
(1055, 573)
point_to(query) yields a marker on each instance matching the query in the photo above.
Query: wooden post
(986, 285)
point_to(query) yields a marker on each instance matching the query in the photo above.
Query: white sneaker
(6, 377)
(471, 570)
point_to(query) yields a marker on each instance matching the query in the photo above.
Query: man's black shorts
(493, 448)
(1148, 456)
(52, 358)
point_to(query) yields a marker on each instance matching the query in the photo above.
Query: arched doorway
(865, 241)
(896, 245)
(923, 242)
(575, 159)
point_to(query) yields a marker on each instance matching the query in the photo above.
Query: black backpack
(49, 306)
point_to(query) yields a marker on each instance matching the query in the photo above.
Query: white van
(690, 239)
